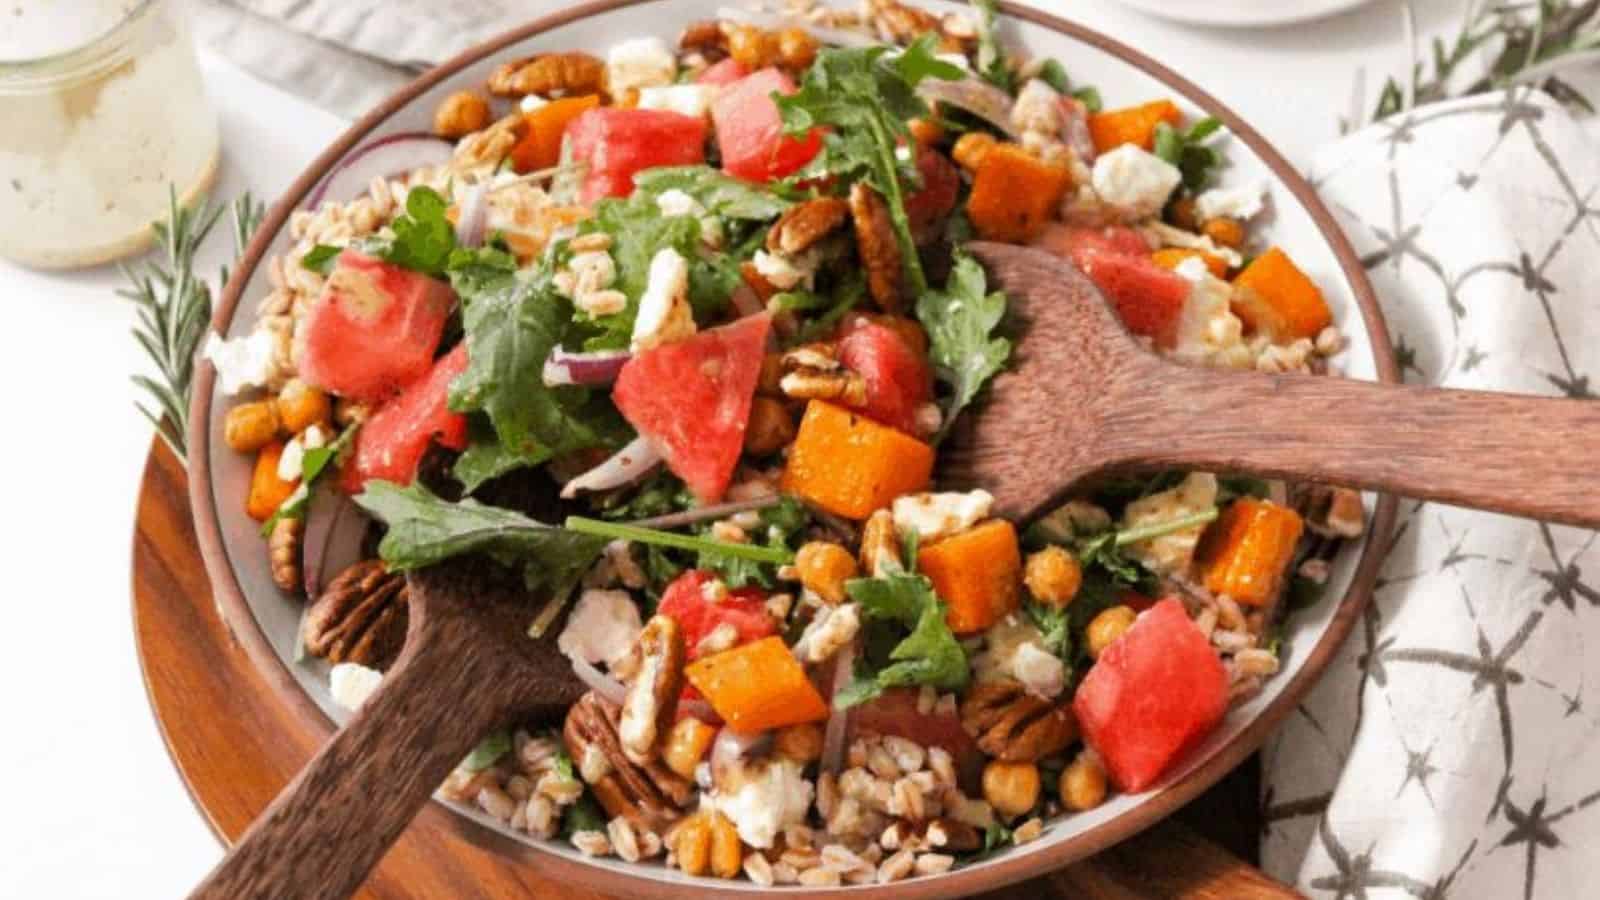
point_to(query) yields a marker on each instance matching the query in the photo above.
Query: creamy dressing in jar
(102, 109)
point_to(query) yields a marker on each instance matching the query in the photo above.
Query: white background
(94, 807)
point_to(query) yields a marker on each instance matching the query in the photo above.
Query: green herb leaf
(780, 523)
(960, 321)
(486, 458)
(1054, 74)
(312, 464)
(585, 815)
(1089, 96)
(510, 331)
(476, 270)
(488, 751)
(928, 654)
(617, 530)
(1188, 151)
(320, 259)
(422, 239)
(1055, 624)
(992, 63)
(425, 529)
(721, 194)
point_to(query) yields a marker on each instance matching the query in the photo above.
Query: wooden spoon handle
(337, 818)
(1526, 456)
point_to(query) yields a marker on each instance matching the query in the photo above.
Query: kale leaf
(960, 321)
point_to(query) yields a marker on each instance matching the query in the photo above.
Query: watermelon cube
(1079, 243)
(390, 444)
(691, 400)
(374, 329)
(929, 206)
(726, 72)
(1153, 695)
(685, 602)
(898, 379)
(614, 142)
(1148, 298)
(750, 131)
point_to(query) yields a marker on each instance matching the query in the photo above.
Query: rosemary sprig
(175, 307)
(1529, 42)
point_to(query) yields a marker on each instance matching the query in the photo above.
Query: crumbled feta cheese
(1134, 181)
(1171, 553)
(1208, 331)
(692, 100)
(760, 798)
(1037, 109)
(1241, 203)
(1163, 235)
(678, 203)
(664, 313)
(602, 627)
(293, 457)
(639, 63)
(352, 683)
(1014, 650)
(531, 103)
(934, 516)
(242, 362)
(786, 272)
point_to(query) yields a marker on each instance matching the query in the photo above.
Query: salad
(714, 296)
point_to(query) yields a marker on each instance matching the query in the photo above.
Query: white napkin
(1451, 750)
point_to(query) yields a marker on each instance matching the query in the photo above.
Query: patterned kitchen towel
(1450, 751)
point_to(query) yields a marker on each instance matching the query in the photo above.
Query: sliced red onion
(472, 220)
(707, 513)
(387, 157)
(623, 467)
(607, 688)
(590, 369)
(335, 529)
(974, 95)
(837, 37)
(838, 727)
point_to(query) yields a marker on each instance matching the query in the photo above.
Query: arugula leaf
(312, 464)
(425, 529)
(1189, 151)
(585, 815)
(494, 745)
(720, 194)
(663, 493)
(474, 271)
(1055, 624)
(320, 259)
(422, 239)
(992, 63)
(486, 458)
(510, 331)
(780, 523)
(618, 531)
(865, 97)
(960, 320)
(1089, 96)
(1054, 74)
(929, 654)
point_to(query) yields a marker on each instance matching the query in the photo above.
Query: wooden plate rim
(1008, 869)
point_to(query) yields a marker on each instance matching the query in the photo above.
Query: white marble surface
(95, 808)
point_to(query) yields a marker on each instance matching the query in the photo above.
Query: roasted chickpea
(251, 426)
(460, 114)
(971, 148)
(771, 428)
(797, 49)
(824, 567)
(727, 854)
(801, 743)
(686, 745)
(1225, 231)
(752, 47)
(691, 844)
(301, 406)
(1053, 576)
(1012, 788)
(1083, 783)
(1109, 625)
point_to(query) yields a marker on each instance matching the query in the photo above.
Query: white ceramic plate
(1243, 13)
(266, 619)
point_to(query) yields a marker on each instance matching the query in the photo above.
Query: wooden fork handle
(337, 818)
(1526, 456)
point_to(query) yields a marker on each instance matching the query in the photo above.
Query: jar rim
(105, 49)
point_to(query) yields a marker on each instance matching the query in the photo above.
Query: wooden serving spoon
(1082, 398)
(468, 667)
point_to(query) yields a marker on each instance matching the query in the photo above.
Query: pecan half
(1015, 726)
(548, 73)
(360, 617)
(878, 247)
(649, 794)
(651, 703)
(804, 224)
(1335, 511)
(880, 546)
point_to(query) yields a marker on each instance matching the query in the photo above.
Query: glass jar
(102, 111)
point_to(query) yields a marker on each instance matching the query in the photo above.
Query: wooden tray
(235, 745)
